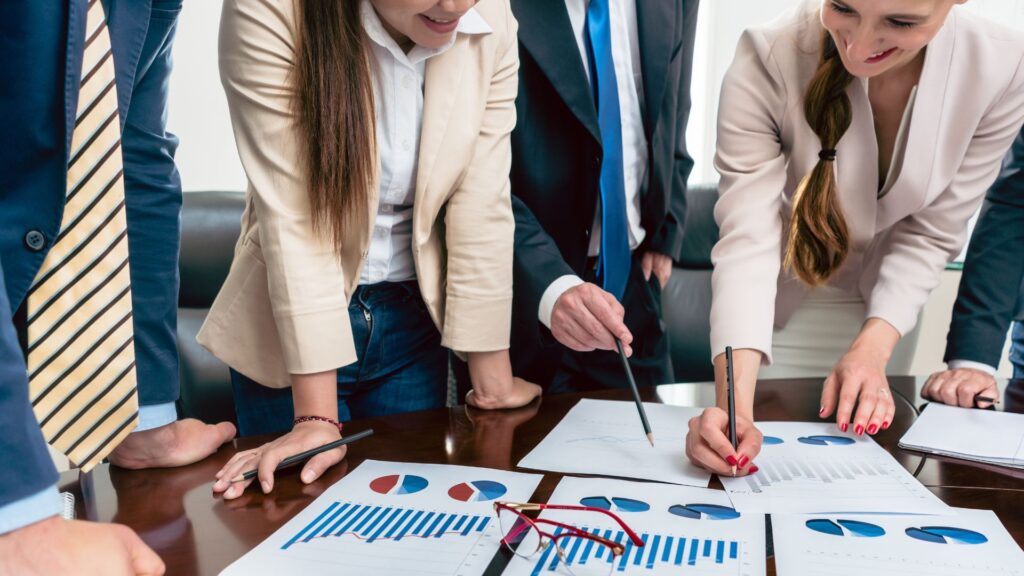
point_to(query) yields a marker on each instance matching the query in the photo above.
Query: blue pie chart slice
(842, 527)
(946, 535)
(615, 503)
(705, 511)
(825, 440)
(771, 440)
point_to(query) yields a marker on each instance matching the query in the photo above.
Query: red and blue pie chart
(615, 503)
(946, 535)
(840, 527)
(398, 484)
(826, 440)
(477, 491)
(704, 511)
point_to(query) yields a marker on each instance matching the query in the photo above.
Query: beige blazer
(284, 306)
(969, 107)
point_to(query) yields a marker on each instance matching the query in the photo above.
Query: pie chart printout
(704, 511)
(946, 535)
(826, 440)
(477, 491)
(840, 527)
(398, 484)
(615, 504)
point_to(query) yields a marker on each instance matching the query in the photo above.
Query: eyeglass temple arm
(637, 541)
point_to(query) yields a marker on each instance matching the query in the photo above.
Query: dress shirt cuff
(30, 509)
(551, 294)
(980, 367)
(156, 415)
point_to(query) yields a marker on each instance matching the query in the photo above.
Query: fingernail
(266, 486)
(743, 461)
(885, 425)
(307, 476)
(872, 429)
(821, 411)
(858, 430)
(753, 469)
(731, 460)
(843, 426)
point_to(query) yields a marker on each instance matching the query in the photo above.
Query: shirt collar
(470, 23)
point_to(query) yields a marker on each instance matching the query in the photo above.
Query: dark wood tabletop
(176, 513)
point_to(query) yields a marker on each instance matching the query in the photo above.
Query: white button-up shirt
(398, 103)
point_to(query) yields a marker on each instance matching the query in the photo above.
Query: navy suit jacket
(40, 72)
(993, 278)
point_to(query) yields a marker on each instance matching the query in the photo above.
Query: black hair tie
(827, 154)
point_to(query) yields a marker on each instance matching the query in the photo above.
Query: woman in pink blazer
(855, 140)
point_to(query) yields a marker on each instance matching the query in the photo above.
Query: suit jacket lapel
(441, 87)
(128, 22)
(545, 31)
(655, 22)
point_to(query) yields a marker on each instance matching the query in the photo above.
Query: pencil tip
(734, 471)
(650, 438)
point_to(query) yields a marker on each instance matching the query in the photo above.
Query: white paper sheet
(686, 530)
(807, 467)
(979, 435)
(605, 437)
(972, 543)
(390, 518)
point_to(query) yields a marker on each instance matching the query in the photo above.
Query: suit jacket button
(35, 240)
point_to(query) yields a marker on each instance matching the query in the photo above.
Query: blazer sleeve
(668, 239)
(920, 245)
(479, 225)
(750, 161)
(994, 270)
(21, 443)
(304, 275)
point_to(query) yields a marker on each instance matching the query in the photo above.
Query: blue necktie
(614, 260)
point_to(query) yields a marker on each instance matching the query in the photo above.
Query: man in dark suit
(41, 76)
(991, 288)
(599, 173)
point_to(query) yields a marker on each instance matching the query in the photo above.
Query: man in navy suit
(990, 291)
(41, 44)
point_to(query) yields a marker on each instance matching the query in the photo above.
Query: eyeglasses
(577, 552)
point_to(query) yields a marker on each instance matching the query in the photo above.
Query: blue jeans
(401, 368)
(1017, 349)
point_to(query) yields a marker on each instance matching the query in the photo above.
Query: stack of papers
(978, 435)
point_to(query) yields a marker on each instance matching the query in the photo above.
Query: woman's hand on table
(858, 380)
(494, 387)
(708, 445)
(960, 386)
(304, 436)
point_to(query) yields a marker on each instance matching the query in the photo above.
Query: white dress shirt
(626, 54)
(398, 104)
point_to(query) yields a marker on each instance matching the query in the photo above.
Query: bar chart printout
(971, 543)
(814, 468)
(387, 518)
(707, 539)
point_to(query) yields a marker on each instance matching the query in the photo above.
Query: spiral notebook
(984, 436)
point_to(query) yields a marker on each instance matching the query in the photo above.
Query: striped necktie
(81, 358)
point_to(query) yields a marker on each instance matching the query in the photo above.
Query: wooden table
(175, 512)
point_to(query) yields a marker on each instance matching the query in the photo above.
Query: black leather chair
(686, 300)
(210, 224)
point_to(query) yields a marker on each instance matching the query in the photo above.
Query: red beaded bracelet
(330, 421)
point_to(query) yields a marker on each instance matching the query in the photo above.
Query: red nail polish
(872, 429)
(743, 461)
(753, 469)
(858, 430)
(885, 425)
(731, 460)
(843, 426)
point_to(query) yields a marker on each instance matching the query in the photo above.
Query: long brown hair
(334, 105)
(818, 237)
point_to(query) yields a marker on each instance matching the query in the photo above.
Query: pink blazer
(969, 107)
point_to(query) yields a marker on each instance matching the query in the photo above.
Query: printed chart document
(390, 518)
(693, 531)
(605, 437)
(980, 435)
(807, 467)
(972, 543)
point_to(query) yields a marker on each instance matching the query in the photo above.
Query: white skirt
(820, 332)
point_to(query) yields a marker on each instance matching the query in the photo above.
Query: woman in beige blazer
(379, 229)
(855, 140)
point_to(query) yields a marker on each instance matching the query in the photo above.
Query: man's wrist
(31, 509)
(551, 295)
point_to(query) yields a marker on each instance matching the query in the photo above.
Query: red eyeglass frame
(570, 531)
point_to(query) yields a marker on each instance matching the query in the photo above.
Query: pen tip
(650, 438)
(238, 479)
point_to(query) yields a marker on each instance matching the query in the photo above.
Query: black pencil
(308, 454)
(636, 392)
(730, 390)
(980, 398)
